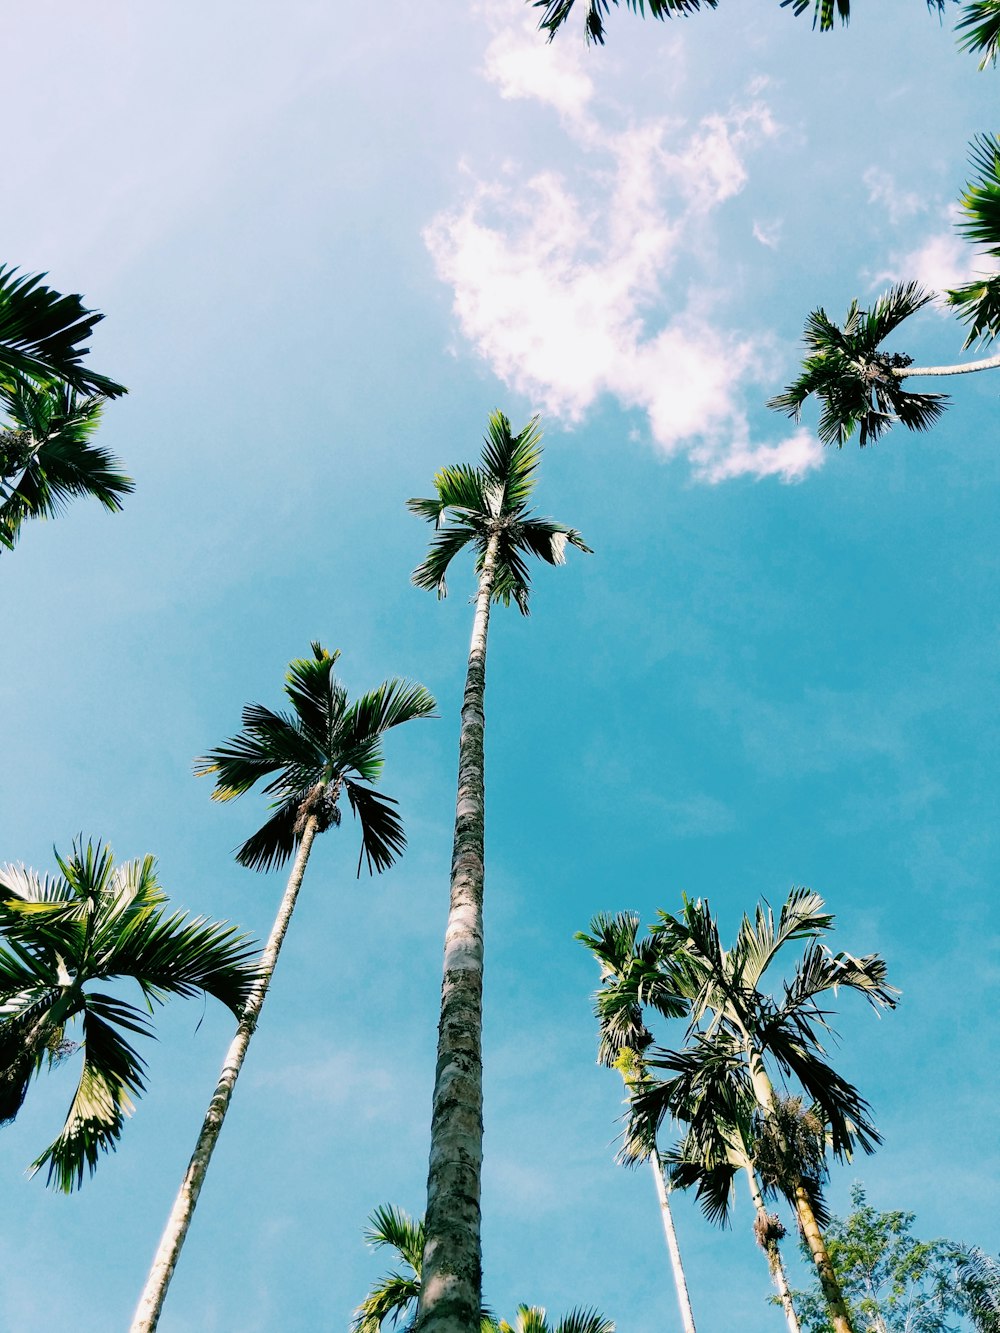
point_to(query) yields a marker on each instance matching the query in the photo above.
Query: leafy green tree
(630, 979)
(42, 335)
(62, 938)
(557, 12)
(892, 1282)
(484, 508)
(47, 454)
(745, 1040)
(308, 758)
(393, 1299)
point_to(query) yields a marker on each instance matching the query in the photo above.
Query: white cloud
(883, 190)
(940, 261)
(561, 287)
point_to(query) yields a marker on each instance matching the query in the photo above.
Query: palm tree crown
(476, 504)
(857, 384)
(325, 745)
(47, 454)
(532, 1319)
(94, 922)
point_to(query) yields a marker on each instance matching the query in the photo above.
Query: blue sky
(327, 245)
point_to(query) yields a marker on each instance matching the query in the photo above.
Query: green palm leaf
(41, 333)
(979, 29)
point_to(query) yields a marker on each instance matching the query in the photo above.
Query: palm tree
(91, 923)
(532, 1319)
(41, 333)
(393, 1299)
(323, 748)
(629, 979)
(47, 456)
(485, 507)
(747, 1038)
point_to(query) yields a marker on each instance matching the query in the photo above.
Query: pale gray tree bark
(451, 1281)
(150, 1305)
(774, 1260)
(680, 1281)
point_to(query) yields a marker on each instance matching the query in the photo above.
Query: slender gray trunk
(773, 1252)
(680, 1282)
(966, 368)
(451, 1276)
(150, 1305)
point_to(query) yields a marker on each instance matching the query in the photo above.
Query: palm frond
(978, 305)
(557, 12)
(511, 461)
(112, 1074)
(382, 836)
(391, 1226)
(371, 715)
(979, 29)
(269, 743)
(584, 1321)
(42, 332)
(275, 840)
(314, 693)
(391, 1301)
(759, 942)
(431, 573)
(548, 540)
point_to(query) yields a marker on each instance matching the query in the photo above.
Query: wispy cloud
(572, 290)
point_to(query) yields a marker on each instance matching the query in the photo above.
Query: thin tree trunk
(150, 1305)
(840, 1316)
(680, 1282)
(773, 1252)
(966, 368)
(451, 1285)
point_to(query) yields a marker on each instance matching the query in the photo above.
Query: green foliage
(893, 1283)
(533, 1319)
(854, 379)
(557, 12)
(47, 454)
(978, 302)
(979, 30)
(325, 745)
(97, 922)
(979, 1284)
(392, 1301)
(475, 504)
(41, 335)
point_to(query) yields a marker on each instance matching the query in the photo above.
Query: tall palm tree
(41, 333)
(532, 1319)
(93, 923)
(324, 747)
(47, 454)
(629, 979)
(393, 1298)
(485, 508)
(752, 1038)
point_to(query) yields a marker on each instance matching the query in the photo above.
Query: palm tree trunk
(680, 1282)
(150, 1305)
(451, 1285)
(966, 368)
(773, 1252)
(840, 1316)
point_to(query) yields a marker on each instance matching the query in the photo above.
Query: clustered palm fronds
(324, 746)
(475, 506)
(95, 922)
(978, 302)
(856, 382)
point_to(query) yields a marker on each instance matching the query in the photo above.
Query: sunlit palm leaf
(979, 29)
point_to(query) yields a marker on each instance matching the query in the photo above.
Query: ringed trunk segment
(680, 1281)
(773, 1252)
(966, 368)
(451, 1285)
(150, 1305)
(840, 1316)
